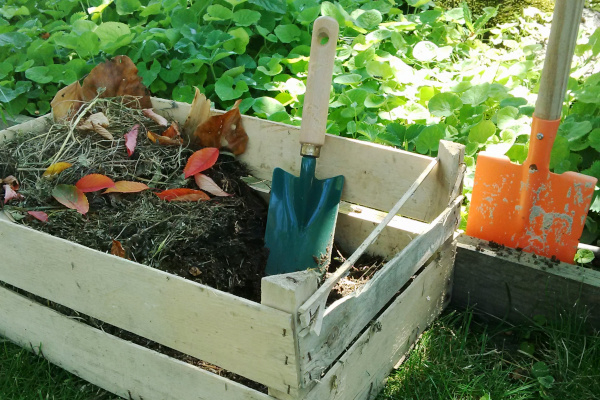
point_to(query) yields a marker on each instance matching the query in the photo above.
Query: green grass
(457, 358)
(25, 376)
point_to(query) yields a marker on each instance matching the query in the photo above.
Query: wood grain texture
(121, 367)
(376, 176)
(236, 334)
(346, 318)
(361, 371)
(37, 125)
(516, 286)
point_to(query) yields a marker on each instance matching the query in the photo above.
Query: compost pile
(215, 240)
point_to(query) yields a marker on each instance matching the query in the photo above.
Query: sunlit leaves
(444, 104)
(482, 131)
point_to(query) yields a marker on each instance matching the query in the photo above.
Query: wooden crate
(508, 284)
(342, 352)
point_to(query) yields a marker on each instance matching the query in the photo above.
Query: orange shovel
(527, 206)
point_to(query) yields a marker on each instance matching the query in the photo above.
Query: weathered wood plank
(360, 372)
(345, 319)
(121, 367)
(376, 176)
(236, 334)
(517, 286)
(37, 125)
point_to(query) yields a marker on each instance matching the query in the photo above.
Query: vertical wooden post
(449, 175)
(287, 292)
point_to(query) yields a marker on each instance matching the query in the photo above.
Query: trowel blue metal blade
(301, 220)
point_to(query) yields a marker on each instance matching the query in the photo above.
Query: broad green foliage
(407, 73)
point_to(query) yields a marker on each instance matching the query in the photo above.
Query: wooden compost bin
(342, 352)
(516, 286)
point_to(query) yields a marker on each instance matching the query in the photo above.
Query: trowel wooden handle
(318, 85)
(559, 54)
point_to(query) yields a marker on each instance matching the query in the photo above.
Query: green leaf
(425, 51)
(348, 79)
(309, 14)
(513, 102)
(584, 256)
(560, 151)
(476, 94)
(246, 17)
(39, 74)
(379, 69)
(594, 170)
(506, 117)
(369, 19)
(482, 131)
(594, 139)
(375, 101)
(417, 3)
(7, 95)
(217, 12)
(149, 75)
(429, 139)
(267, 106)
(239, 42)
(226, 90)
(113, 35)
(507, 140)
(333, 10)
(235, 2)
(6, 68)
(126, 7)
(88, 45)
(573, 130)
(277, 6)
(270, 66)
(17, 40)
(444, 104)
(287, 33)
(171, 73)
(546, 381)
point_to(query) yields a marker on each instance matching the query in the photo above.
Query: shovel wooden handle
(318, 85)
(559, 54)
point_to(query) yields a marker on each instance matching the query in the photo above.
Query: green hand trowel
(303, 210)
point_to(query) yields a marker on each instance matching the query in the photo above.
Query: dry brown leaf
(195, 271)
(117, 77)
(117, 249)
(226, 127)
(97, 123)
(67, 101)
(164, 140)
(172, 131)
(12, 181)
(199, 113)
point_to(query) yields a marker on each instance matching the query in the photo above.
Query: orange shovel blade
(535, 210)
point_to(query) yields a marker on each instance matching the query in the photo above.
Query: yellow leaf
(56, 168)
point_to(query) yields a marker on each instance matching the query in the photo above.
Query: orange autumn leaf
(172, 131)
(117, 249)
(199, 113)
(127, 187)
(182, 195)
(56, 168)
(71, 197)
(94, 182)
(226, 127)
(39, 215)
(201, 160)
(207, 184)
(164, 140)
(114, 78)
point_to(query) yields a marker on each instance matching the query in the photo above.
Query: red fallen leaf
(159, 119)
(12, 181)
(182, 195)
(56, 168)
(72, 197)
(94, 182)
(131, 139)
(39, 215)
(10, 194)
(201, 160)
(126, 187)
(117, 249)
(164, 140)
(172, 131)
(207, 184)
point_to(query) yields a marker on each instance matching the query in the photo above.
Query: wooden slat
(37, 125)
(516, 286)
(376, 176)
(360, 372)
(236, 334)
(346, 318)
(119, 366)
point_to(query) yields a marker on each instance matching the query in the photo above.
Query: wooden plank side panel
(376, 176)
(360, 372)
(239, 335)
(515, 285)
(347, 317)
(37, 125)
(121, 367)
